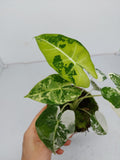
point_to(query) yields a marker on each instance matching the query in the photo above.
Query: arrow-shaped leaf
(54, 90)
(54, 127)
(68, 57)
(112, 95)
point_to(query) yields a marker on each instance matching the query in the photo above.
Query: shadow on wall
(2, 65)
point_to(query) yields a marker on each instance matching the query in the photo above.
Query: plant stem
(78, 101)
(85, 111)
(90, 96)
(66, 105)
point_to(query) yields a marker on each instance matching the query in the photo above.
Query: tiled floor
(16, 113)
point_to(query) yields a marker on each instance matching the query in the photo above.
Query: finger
(68, 142)
(36, 117)
(60, 151)
(32, 125)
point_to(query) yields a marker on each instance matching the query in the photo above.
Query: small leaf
(54, 127)
(95, 86)
(54, 90)
(112, 95)
(98, 123)
(101, 75)
(116, 79)
(68, 57)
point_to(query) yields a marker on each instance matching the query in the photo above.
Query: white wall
(96, 23)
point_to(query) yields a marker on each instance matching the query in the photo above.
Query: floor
(16, 113)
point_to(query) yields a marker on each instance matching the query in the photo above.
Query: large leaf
(54, 90)
(98, 123)
(68, 57)
(54, 127)
(116, 79)
(112, 95)
(101, 75)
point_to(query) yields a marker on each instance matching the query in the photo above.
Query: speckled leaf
(95, 86)
(68, 57)
(112, 95)
(98, 123)
(116, 79)
(101, 75)
(54, 127)
(54, 90)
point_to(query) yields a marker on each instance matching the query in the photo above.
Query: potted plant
(70, 107)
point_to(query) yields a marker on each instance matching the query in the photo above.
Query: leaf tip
(35, 37)
(26, 96)
(110, 74)
(96, 76)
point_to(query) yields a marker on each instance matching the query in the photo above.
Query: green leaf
(101, 75)
(95, 86)
(68, 57)
(116, 79)
(54, 127)
(98, 123)
(54, 90)
(112, 95)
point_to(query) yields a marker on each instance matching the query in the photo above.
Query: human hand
(33, 147)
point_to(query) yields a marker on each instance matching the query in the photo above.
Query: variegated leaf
(95, 86)
(112, 95)
(54, 90)
(116, 79)
(54, 127)
(98, 123)
(68, 57)
(101, 75)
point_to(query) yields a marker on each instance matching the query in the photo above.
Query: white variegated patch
(68, 119)
(112, 95)
(101, 75)
(55, 126)
(98, 123)
(102, 121)
(116, 79)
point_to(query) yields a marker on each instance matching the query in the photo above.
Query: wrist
(37, 157)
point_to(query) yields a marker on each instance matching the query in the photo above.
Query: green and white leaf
(112, 95)
(54, 90)
(68, 57)
(116, 79)
(95, 86)
(98, 123)
(54, 127)
(101, 75)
